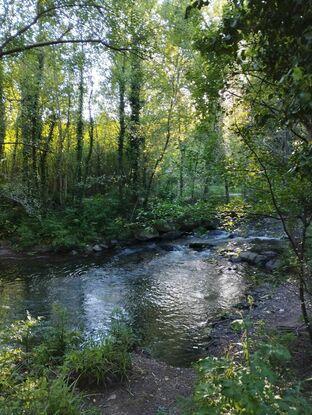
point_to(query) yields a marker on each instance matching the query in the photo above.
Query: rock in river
(147, 234)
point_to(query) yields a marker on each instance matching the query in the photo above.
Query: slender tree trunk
(122, 126)
(181, 169)
(14, 156)
(298, 247)
(206, 182)
(43, 164)
(163, 152)
(79, 134)
(91, 143)
(31, 123)
(226, 190)
(36, 135)
(2, 111)
(61, 171)
(135, 134)
(194, 179)
(303, 304)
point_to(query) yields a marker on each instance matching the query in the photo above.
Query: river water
(170, 293)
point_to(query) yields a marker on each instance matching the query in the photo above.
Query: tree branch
(42, 14)
(59, 42)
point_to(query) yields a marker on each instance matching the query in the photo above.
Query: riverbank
(154, 387)
(98, 226)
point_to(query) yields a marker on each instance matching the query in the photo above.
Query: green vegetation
(124, 119)
(42, 363)
(252, 381)
(99, 219)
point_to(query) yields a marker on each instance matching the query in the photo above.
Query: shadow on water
(170, 293)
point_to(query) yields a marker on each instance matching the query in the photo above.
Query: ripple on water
(169, 296)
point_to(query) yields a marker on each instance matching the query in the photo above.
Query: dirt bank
(152, 387)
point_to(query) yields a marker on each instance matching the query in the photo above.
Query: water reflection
(168, 296)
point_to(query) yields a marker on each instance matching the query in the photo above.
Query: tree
(270, 86)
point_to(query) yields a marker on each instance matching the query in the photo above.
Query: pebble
(112, 397)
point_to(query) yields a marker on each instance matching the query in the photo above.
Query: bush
(252, 384)
(73, 227)
(56, 339)
(192, 214)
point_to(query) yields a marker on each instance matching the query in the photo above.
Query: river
(169, 292)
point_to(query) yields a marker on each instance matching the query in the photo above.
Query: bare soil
(152, 387)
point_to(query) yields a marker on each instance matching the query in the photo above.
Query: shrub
(38, 360)
(193, 214)
(251, 384)
(43, 397)
(56, 338)
(105, 361)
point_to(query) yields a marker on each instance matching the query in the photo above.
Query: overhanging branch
(36, 45)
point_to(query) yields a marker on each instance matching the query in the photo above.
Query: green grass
(40, 365)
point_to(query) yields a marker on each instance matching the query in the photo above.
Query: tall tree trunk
(91, 143)
(135, 138)
(36, 135)
(31, 122)
(61, 171)
(122, 125)
(2, 111)
(163, 152)
(206, 181)
(79, 134)
(226, 190)
(194, 172)
(43, 163)
(14, 155)
(181, 169)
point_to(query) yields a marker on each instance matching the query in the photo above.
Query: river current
(169, 292)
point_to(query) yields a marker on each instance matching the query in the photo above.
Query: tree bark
(122, 126)
(2, 111)
(43, 164)
(135, 138)
(91, 143)
(79, 134)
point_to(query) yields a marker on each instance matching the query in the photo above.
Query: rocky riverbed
(181, 293)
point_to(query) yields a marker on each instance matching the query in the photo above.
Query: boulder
(88, 249)
(97, 248)
(253, 258)
(165, 227)
(201, 246)
(270, 254)
(248, 256)
(261, 245)
(147, 234)
(273, 264)
(114, 243)
(168, 247)
(171, 235)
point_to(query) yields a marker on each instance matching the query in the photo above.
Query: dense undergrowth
(42, 364)
(253, 378)
(46, 366)
(100, 218)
